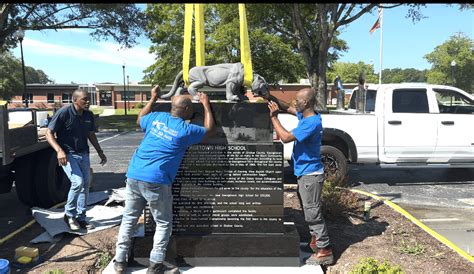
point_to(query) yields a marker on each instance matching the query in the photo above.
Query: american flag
(377, 23)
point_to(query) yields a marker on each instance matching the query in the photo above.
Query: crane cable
(198, 10)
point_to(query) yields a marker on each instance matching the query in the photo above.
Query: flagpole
(381, 45)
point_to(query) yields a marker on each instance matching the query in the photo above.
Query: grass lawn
(119, 122)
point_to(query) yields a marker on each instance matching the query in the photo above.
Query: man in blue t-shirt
(307, 166)
(73, 125)
(151, 172)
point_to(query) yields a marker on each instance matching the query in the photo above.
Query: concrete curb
(433, 233)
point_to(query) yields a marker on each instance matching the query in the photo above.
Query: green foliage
(413, 249)
(123, 22)
(349, 72)
(460, 49)
(372, 266)
(103, 260)
(54, 271)
(398, 75)
(336, 201)
(11, 79)
(139, 105)
(11, 76)
(272, 57)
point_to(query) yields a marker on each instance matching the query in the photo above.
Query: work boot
(72, 223)
(85, 225)
(162, 268)
(120, 267)
(312, 244)
(323, 257)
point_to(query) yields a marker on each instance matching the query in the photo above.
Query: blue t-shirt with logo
(158, 157)
(307, 146)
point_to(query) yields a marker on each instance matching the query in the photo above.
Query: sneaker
(86, 225)
(162, 268)
(323, 257)
(120, 267)
(72, 223)
(312, 244)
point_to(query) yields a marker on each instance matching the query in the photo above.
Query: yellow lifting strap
(245, 56)
(189, 10)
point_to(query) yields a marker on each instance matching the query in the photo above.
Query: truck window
(410, 101)
(450, 101)
(370, 103)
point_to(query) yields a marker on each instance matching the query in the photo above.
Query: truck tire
(335, 164)
(24, 180)
(52, 184)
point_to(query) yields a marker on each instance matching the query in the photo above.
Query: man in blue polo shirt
(152, 170)
(307, 166)
(73, 126)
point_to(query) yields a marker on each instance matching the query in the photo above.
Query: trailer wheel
(335, 164)
(52, 184)
(24, 180)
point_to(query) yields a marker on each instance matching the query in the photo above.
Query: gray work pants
(310, 188)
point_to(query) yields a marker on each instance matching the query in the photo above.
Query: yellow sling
(245, 56)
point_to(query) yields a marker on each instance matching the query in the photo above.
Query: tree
(398, 75)
(349, 72)
(11, 76)
(165, 29)
(458, 48)
(123, 22)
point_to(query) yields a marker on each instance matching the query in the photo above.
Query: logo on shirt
(161, 131)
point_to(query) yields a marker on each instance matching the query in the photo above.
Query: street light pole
(20, 34)
(453, 65)
(128, 90)
(123, 93)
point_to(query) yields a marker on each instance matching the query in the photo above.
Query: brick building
(110, 95)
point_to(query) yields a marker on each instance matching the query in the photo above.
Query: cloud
(105, 52)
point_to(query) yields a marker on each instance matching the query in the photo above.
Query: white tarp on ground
(52, 220)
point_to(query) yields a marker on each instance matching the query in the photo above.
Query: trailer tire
(24, 180)
(51, 182)
(335, 164)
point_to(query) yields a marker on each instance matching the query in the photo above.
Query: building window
(67, 98)
(129, 95)
(27, 96)
(50, 97)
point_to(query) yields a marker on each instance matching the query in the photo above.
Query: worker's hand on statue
(203, 98)
(62, 160)
(103, 158)
(155, 92)
(273, 107)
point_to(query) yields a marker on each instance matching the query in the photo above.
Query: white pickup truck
(404, 125)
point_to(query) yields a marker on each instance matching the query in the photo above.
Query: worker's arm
(281, 104)
(209, 123)
(93, 139)
(284, 135)
(62, 160)
(155, 93)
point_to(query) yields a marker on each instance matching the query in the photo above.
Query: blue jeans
(160, 200)
(77, 170)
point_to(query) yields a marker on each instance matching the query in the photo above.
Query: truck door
(409, 127)
(455, 126)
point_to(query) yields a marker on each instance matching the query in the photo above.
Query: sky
(73, 56)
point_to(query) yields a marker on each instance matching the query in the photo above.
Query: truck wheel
(335, 164)
(24, 183)
(52, 184)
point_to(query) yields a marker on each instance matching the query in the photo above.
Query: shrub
(372, 266)
(139, 105)
(336, 201)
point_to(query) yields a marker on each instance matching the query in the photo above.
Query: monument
(228, 195)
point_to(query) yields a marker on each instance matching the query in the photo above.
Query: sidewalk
(303, 269)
